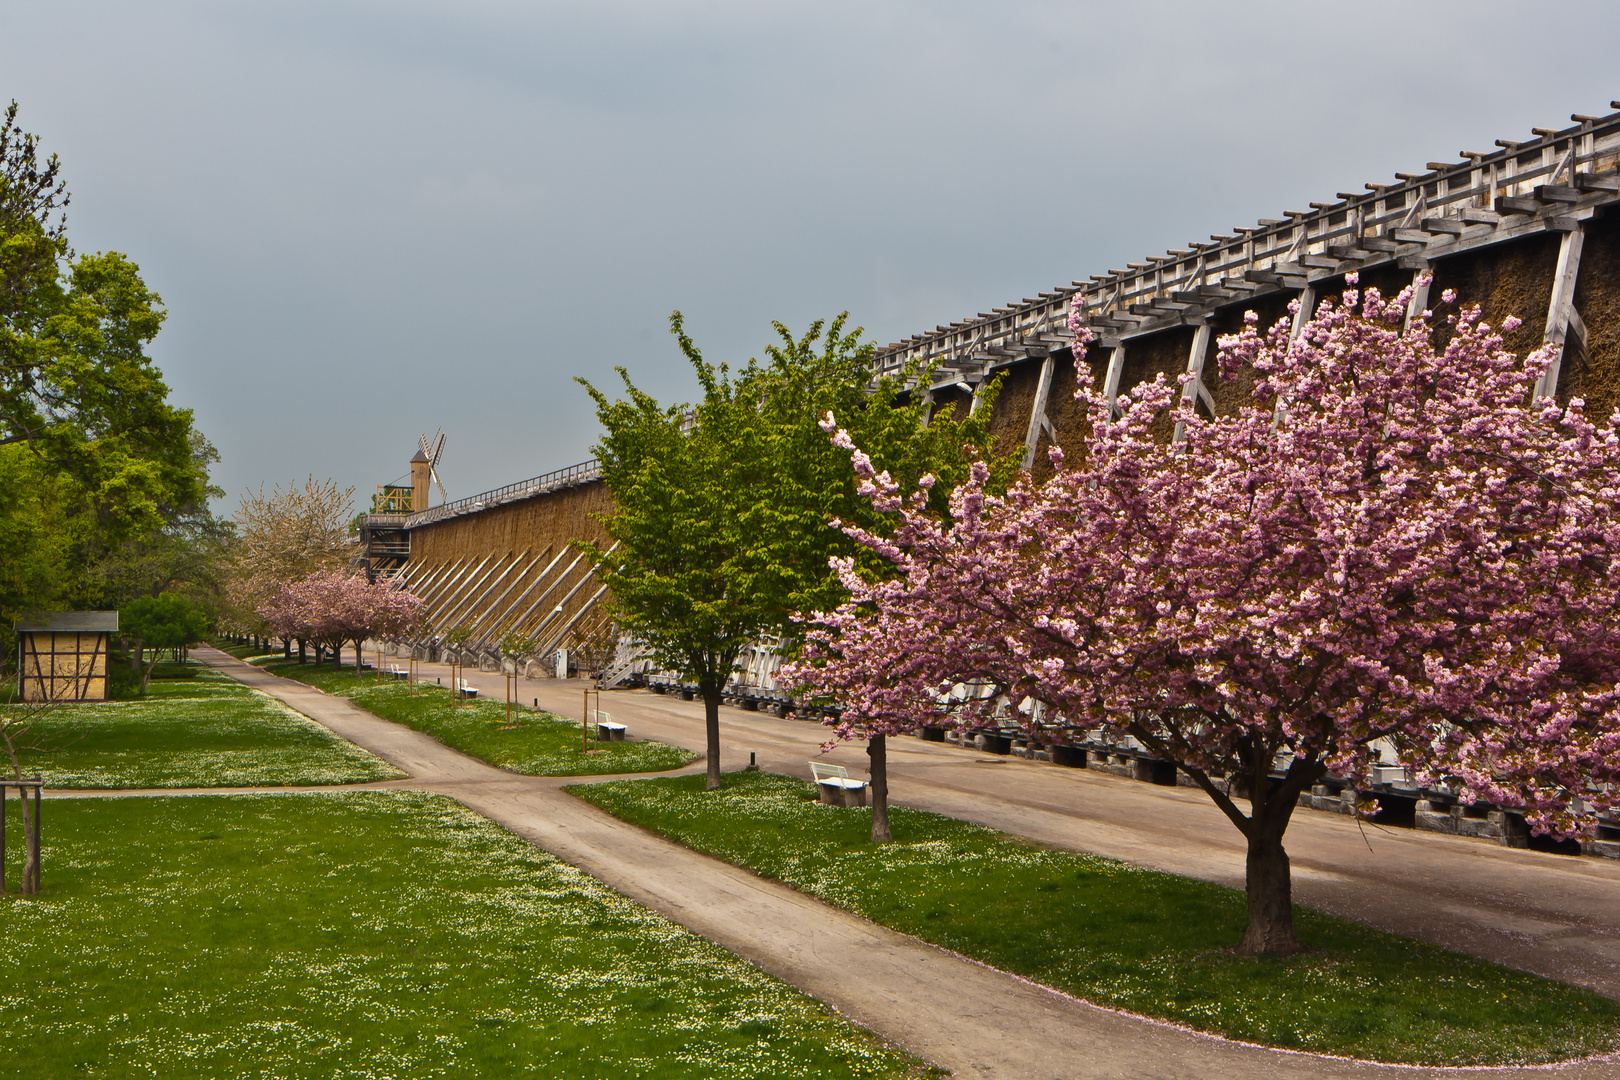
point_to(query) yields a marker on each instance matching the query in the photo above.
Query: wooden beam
(1195, 367)
(1455, 226)
(1556, 193)
(1560, 307)
(1307, 307)
(528, 590)
(1037, 412)
(1586, 182)
(1116, 367)
(1420, 296)
(1509, 204)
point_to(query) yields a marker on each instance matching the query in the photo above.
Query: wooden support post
(33, 841)
(1116, 367)
(1037, 412)
(1307, 308)
(1195, 367)
(1561, 307)
(1307, 304)
(1420, 296)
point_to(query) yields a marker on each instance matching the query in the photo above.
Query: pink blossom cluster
(330, 608)
(1413, 550)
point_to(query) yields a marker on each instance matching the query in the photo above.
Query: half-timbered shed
(62, 655)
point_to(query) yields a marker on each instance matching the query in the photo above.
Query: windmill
(432, 452)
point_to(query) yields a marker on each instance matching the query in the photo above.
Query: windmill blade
(433, 463)
(432, 451)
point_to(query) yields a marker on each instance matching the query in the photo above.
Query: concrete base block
(1112, 764)
(1603, 849)
(992, 744)
(1504, 828)
(1324, 798)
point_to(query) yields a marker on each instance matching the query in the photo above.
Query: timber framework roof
(1552, 182)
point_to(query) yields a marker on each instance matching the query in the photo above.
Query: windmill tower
(425, 467)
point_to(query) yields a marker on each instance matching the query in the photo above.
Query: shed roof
(67, 621)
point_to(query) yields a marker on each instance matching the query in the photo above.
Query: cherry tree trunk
(1269, 879)
(711, 729)
(1271, 900)
(878, 751)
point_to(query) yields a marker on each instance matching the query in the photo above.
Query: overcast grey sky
(370, 219)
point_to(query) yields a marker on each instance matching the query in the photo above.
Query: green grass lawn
(1118, 935)
(540, 745)
(206, 730)
(371, 934)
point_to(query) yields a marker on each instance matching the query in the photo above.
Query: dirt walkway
(967, 1017)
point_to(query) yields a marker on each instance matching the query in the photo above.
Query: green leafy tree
(724, 508)
(186, 554)
(165, 621)
(98, 454)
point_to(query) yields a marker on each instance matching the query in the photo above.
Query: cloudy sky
(371, 219)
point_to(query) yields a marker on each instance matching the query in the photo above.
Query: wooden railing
(572, 476)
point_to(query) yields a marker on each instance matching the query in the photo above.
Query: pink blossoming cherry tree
(332, 608)
(1392, 542)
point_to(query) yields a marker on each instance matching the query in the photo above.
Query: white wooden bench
(835, 788)
(398, 672)
(465, 691)
(607, 730)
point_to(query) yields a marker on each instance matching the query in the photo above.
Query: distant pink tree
(332, 608)
(1392, 542)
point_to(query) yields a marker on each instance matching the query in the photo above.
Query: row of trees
(331, 608)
